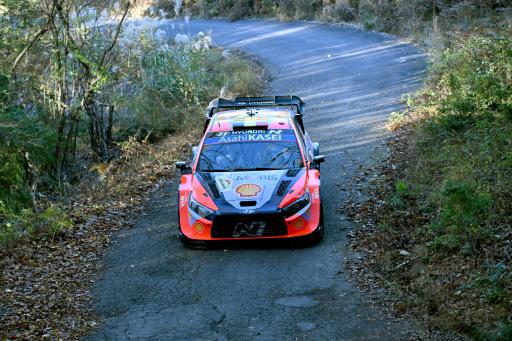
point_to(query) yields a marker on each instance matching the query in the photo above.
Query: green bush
(27, 223)
(476, 76)
(14, 194)
(241, 9)
(26, 162)
(450, 196)
(464, 214)
(171, 82)
(170, 86)
(25, 144)
(338, 12)
(502, 333)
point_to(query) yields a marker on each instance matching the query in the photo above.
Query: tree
(81, 42)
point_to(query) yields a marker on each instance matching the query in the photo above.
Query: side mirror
(319, 159)
(183, 167)
(194, 152)
(316, 148)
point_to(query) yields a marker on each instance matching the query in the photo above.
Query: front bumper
(293, 240)
(258, 225)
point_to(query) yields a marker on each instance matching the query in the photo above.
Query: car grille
(248, 225)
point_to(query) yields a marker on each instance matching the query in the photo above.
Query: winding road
(154, 288)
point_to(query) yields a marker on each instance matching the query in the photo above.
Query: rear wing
(218, 104)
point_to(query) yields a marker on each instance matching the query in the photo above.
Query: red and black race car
(255, 174)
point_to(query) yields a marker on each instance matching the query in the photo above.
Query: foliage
(27, 223)
(170, 86)
(26, 165)
(23, 154)
(50, 255)
(168, 90)
(72, 89)
(448, 199)
(476, 79)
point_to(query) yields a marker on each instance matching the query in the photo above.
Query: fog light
(199, 227)
(299, 223)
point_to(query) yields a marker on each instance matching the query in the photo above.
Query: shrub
(476, 77)
(169, 86)
(162, 84)
(265, 7)
(26, 152)
(464, 211)
(45, 225)
(241, 9)
(338, 12)
(306, 9)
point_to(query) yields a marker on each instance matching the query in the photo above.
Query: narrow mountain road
(154, 288)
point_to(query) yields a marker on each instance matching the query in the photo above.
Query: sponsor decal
(299, 223)
(252, 135)
(248, 132)
(182, 201)
(254, 229)
(250, 138)
(261, 177)
(248, 190)
(223, 183)
(199, 227)
(316, 193)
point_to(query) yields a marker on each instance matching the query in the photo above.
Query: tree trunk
(110, 123)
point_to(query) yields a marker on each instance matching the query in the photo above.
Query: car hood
(249, 189)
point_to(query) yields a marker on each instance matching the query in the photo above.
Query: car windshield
(238, 151)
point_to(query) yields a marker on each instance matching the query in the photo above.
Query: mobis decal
(256, 177)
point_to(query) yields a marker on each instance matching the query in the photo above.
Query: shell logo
(199, 227)
(248, 190)
(299, 223)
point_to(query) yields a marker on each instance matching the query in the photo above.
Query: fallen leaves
(44, 285)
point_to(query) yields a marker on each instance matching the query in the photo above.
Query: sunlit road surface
(154, 288)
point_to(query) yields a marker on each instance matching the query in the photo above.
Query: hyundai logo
(249, 211)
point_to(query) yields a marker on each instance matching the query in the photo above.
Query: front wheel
(318, 235)
(315, 237)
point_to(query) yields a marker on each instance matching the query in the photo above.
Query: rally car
(254, 175)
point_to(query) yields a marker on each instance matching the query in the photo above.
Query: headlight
(297, 205)
(199, 209)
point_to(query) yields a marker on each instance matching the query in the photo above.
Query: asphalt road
(154, 288)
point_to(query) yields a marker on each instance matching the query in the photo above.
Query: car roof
(272, 118)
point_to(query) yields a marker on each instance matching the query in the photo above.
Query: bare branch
(27, 47)
(36, 37)
(116, 36)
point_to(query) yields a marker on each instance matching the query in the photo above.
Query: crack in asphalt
(154, 288)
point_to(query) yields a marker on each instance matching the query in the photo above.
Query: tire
(313, 238)
(318, 235)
